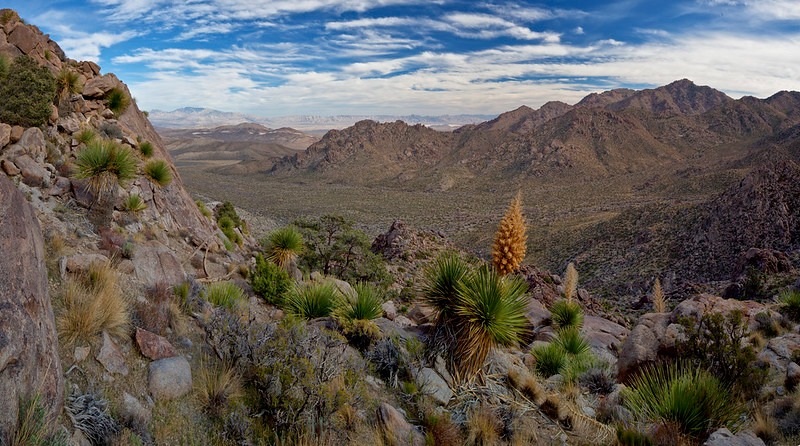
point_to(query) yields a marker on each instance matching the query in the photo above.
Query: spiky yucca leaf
(510, 240)
(489, 311)
(572, 342)
(158, 171)
(312, 300)
(365, 306)
(226, 294)
(134, 203)
(566, 313)
(105, 164)
(550, 359)
(570, 281)
(440, 283)
(284, 245)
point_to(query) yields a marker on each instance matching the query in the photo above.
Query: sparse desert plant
(283, 245)
(28, 91)
(765, 427)
(483, 427)
(85, 136)
(228, 228)
(690, 397)
(572, 342)
(92, 305)
(159, 172)
(89, 414)
(566, 314)
(526, 383)
(134, 203)
(216, 386)
(312, 300)
(33, 426)
(117, 100)
(146, 147)
(550, 359)
(659, 302)
(365, 306)
(105, 164)
(225, 294)
(203, 209)
(790, 304)
(510, 240)
(270, 281)
(570, 282)
(67, 82)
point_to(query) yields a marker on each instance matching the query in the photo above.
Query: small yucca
(117, 100)
(312, 300)
(158, 171)
(659, 302)
(146, 148)
(510, 240)
(284, 245)
(570, 282)
(440, 283)
(134, 203)
(226, 294)
(365, 306)
(105, 164)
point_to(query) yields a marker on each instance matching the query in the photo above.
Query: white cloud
(486, 26)
(762, 9)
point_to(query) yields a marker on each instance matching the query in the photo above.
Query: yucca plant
(550, 359)
(105, 164)
(225, 294)
(158, 171)
(489, 311)
(117, 100)
(67, 82)
(572, 342)
(146, 148)
(85, 136)
(790, 304)
(365, 306)
(312, 300)
(440, 283)
(284, 245)
(134, 203)
(566, 314)
(690, 397)
(659, 302)
(570, 282)
(510, 240)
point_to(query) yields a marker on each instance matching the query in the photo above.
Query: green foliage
(441, 280)
(146, 148)
(3, 66)
(335, 247)
(753, 287)
(228, 220)
(283, 245)
(226, 294)
(566, 314)
(270, 281)
(312, 300)
(632, 437)
(117, 100)
(28, 91)
(85, 136)
(203, 209)
(790, 304)
(105, 164)
(572, 342)
(33, 427)
(134, 203)
(159, 172)
(550, 359)
(568, 355)
(228, 228)
(688, 396)
(720, 345)
(226, 209)
(365, 306)
(67, 82)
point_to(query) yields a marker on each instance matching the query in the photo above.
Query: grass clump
(117, 100)
(67, 82)
(568, 355)
(509, 246)
(203, 209)
(789, 302)
(134, 203)
(28, 91)
(216, 387)
(312, 300)
(146, 148)
(566, 314)
(33, 426)
(105, 164)
(270, 281)
(92, 304)
(85, 136)
(225, 294)
(283, 245)
(550, 359)
(689, 397)
(159, 172)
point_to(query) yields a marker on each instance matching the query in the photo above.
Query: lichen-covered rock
(724, 437)
(29, 361)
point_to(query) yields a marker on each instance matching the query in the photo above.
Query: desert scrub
(283, 246)
(203, 209)
(158, 172)
(228, 228)
(227, 295)
(117, 100)
(312, 300)
(28, 90)
(686, 396)
(105, 164)
(93, 303)
(566, 314)
(134, 203)
(789, 302)
(270, 281)
(146, 147)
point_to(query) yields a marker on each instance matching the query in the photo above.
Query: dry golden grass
(765, 427)
(92, 304)
(510, 240)
(216, 387)
(659, 302)
(483, 428)
(526, 383)
(570, 282)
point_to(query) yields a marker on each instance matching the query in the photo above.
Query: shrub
(105, 164)
(117, 100)
(270, 281)
(159, 172)
(566, 314)
(3, 66)
(790, 304)
(312, 300)
(203, 209)
(226, 209)
(134, 203)
(690, 397)
(227, 227)
(283, 245)
(92, 305)
(28, 91)
(508, 249)
(146, 148)
(225, 294)
(85, 136)
(216, 387)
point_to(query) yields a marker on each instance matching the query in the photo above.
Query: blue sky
(330, 57)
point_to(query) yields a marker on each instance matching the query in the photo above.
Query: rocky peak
(681, 97)
(605, 98)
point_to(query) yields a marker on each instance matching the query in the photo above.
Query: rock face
(29, 360)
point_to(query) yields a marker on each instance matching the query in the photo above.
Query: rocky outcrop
(397, 429)
(29, 362)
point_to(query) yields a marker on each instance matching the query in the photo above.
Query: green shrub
(117, 100)
(568, 355)
(312, 300)
(227, 227)
(85, 136)
(566, 314)
(146, 148)
(159, 172)
(110, 130)
(226, 209)
(226, 294)
(283, 245)
(105, 164)
(134, 203)
(3, 67)
(28, 91)
(270, 281)
(790, 304)
(365, 306)
(688, 396)
(550, 359)
(203, 209)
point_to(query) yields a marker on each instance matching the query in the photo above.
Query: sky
(427, 57)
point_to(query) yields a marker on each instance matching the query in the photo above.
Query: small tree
(509, 247)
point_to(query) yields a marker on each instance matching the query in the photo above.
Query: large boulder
(156, 264)
(644, 344)
(605, 337)
(397, 429)
(170, 378)
(724, 437)
(29, 362)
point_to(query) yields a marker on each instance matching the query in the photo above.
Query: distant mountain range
(194, 118)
